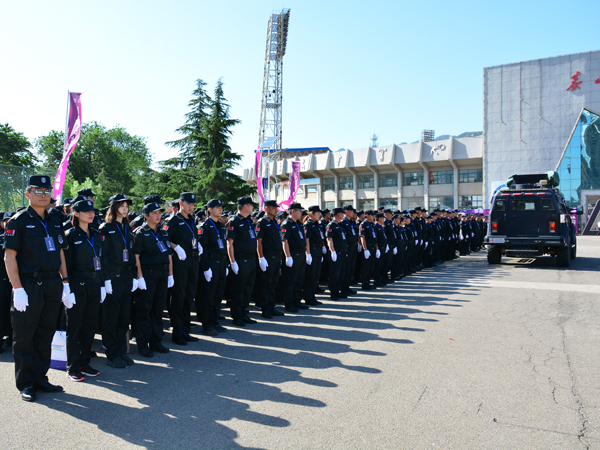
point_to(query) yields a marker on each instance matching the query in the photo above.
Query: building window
(391, 203)
(441, 177)
(329, 205)
(471, 176)
(366, 181)
(328, 184)
(388, 180)
(346, 183)
(412, 202)
(413, 179)
(441, 202)
(470, 202)
(366, 204)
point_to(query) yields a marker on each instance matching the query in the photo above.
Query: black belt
(40, 275)
(218, 256)
(155, 266)
(80, 274)
(300, 252)
(245, 255)
(316, 245)
(121, 269)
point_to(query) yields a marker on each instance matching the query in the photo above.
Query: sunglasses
(40, 192)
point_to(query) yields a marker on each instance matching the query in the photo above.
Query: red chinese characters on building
(575, 84)
(598, 80)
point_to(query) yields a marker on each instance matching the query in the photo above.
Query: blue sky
(352, 68)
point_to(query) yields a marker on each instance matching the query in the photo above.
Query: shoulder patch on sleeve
(10, 232)
(200, 231)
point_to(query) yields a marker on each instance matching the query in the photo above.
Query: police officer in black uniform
(351, 230)
(139, 220)
(152, 249)
(183, 234)
(294, 252)
(337, 242)
(368, 238)
(84, 257)
(316, 240)
(89, 195)
(241, 249)
(5, 288)
(33, 245)
(213, 264)
(269, 249)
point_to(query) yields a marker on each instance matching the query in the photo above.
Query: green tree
(15, 148)
(205, 157)
(110, 158)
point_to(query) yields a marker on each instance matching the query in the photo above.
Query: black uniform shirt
(268, 230)
(367, 230)
(351, 231)
(2, 267)
(117, 238)
(137, 222)
(381, 237)
(27, 233)
(390, 233)
(81, 251)
(153, 248)
(214, 243)
(314, 233)
(183, 232)
(294, 233)
(337, 233)
(241, 230)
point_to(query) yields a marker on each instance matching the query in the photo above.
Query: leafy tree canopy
(15, 148)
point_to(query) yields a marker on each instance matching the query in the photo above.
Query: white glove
(69, 300)
(226, 271)
(387, 248)
(395, 250)
(208, 275)
(180, 253)
(377, 254)
(66, 290)
(324, 250)
(360, 249)
(134, 285)
(472, 234)
(334, 256)
(235, 267)
(289, 261)
(142, 284)
(426, 244)
(200, 249)
(321, 259)
(108, 286)
(170, 281)
(421, 242)
(367, 254)
(20, 299)
(102, 294)
(308, 259)
(461, 236)
(262, 262)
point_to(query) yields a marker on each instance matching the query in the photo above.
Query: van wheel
(563, 256)
(493, 254)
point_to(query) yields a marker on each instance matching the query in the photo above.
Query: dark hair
(111, 214)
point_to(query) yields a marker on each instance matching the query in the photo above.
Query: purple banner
(294, 186)
(72, 134)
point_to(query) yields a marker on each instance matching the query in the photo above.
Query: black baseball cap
(151, 207)
(87, 192)
(153, 198)
(119, 198)
(314, 208)
(245, 201)
(215, 202)
(83, 206)
(189, 197)
(39, 181)
(271, 203)
(294, 206)
(337, 211)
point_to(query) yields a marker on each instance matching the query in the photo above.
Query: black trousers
(266, 282)
(116, 312)
(33, 330)
(82, 320)
(312, 274)
(289, 278)
(386, 263)
(211, 292)
(336, 273)
(185, 275)
(149, 307)
(397, 261)
(348, 277)
(242, 285)
(5, 304)
(367, 266)
(360, 257)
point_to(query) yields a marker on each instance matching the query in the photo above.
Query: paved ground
(465, 355)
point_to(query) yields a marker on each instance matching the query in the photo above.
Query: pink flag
(294, 186)
(257, 171)
(72, 133)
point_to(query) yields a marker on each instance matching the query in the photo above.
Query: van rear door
(524, 218)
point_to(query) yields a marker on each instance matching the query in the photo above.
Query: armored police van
(530, 217)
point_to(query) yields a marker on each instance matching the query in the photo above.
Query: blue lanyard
(44, 225)
(250, 225)
(191, 231)
(218, 232)
(124, 238)
(92, 243)
(155, 235)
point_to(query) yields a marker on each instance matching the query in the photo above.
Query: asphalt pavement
(462, 356)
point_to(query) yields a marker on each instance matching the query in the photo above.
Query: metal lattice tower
(270, 112)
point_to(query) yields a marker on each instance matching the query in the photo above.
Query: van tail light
(552, 227)
(494, 227)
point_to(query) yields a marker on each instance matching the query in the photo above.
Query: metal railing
(13, 181)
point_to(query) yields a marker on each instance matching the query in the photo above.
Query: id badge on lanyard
(220, 243)
(49, 244)
(97, 266)
(161, 246)
(251, 230)
(194, 243)
(125, 255)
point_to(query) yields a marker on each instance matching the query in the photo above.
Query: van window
(547, 204)
(523, 205)
(499, 205)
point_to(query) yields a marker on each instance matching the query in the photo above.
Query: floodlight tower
(270, 111)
